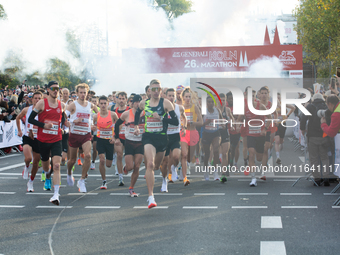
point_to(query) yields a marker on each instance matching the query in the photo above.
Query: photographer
(333, 130)
(317, 144)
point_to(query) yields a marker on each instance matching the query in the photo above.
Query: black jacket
(314, 124)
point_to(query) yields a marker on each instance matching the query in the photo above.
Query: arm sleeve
(137, 116)
(21, 95)
(333, 129)
(33, 121)
(118, 123)
(173, 120)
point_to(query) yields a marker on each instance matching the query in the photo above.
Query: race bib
(54, 130)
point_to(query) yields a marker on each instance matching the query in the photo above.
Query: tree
(175, 8)
(3, 14)
(317, 22)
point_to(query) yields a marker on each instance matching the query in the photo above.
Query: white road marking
(12, 206)
(271, 222)
(9, 156)
(299, 207)
(7, 193)
(302, 158)
(200, 207)
(11, 167)
(102, 207)
(284, 180)
(295, 194)
(331, 194)
(81, 194)
(209, 194)
(273, 247)
(119, 194)
(252, 194)
(335, 207)
(52, 206)
(168, 194)
(249, 207)
(9, 178)
(145, 207)
(34, 193)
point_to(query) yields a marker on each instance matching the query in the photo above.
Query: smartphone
(338, 72)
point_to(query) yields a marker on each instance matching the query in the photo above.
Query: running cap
(179, 87)
(51, 83)
(136, 98)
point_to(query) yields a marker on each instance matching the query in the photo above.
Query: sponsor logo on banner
(287, 57)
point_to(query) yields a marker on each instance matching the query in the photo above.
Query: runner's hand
(117, 142)
(19, 133)
(78, 120)
(112, 140)
(136, 133)
(48, 125)
(323, 120)
(155, 115)
(183, 131)
(67, 123)
(93, 128)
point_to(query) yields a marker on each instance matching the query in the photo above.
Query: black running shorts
(158, 141)
(256, 142)
(105, 147)
(174, 142)
(50, 149)
(34, 144)
(133, 147)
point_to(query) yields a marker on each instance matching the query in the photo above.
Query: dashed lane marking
(145, 207)
(295, 194)
(209, 194)
(249, 207)
(7, 193)
(273, 247)
(12, 206)
(102, 207)
(271, 222)
(200, 207)
(52, 206)
(299, 207)
(252, 194)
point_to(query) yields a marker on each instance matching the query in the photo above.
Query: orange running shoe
(82, 155)
(170, 178)
(79, 162)
(186, 181)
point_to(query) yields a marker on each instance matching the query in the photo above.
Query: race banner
(213, 59)
(9, 134)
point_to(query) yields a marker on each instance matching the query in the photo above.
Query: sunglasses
(156, 89)
(73, 96)
(54, 88)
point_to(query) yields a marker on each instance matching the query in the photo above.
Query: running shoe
(82, 155)
(104, 186)
(70, 180)
(73, 168)
(93, 166)
(26, 173)
(30, 186)
(79, 162)
(263, 177)
(55, 199)
(125, 171)
(116, 170)
(121, 182)
(278, 161)
(164, 187)
(253, 182)
(132, 193)
(186, 181)
(216, 176)
(43, 176)
(39, 164)
(152, 202)
(174, 173)
(223, 179)
(47, 185)
(81, 186)
(170, 178)
(206, 176)
(63, 163)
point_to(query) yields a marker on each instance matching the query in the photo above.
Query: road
(206, 217)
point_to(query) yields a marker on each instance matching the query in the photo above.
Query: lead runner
(155, 138)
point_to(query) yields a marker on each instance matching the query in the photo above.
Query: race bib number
(54, 130)
(82, 128)
(154, 125)
(254, 130)
(105, 133)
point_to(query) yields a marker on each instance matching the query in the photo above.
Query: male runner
(30, 143)
(155, 138)
(80, 134)
(104, 124)
(173, 149)
(134, 149)
(50, 112)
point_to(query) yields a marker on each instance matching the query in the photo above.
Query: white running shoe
(70, 180)
(104, 186)
(180, 178)
(114, 160)
(253, 182)
(216, 176)
(26, 173)
(55, 199)
(93, 166)
(30, 186)
(164, 185)
(206, 176)
(152, 202)
(81, 186)
(174, 173)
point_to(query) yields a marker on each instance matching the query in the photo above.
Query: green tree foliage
(175, 8)
(3, 14)
(317, 20)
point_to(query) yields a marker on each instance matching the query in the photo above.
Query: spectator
(13, 109)
(317, 144)
(4, 111)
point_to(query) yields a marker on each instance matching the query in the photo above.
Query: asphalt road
(206, 217)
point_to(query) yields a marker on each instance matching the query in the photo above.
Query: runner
(30, 143)
(179, 90)
(122, 107)
(225, 137)
(50, 112)
(281, 130)
(256, 131)
(94, 101)
(104, 121)
(134, 149)
(173, 150)
(80, 134)
(191, 138)
(155, 138)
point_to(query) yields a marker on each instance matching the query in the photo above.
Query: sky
(35, 30)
